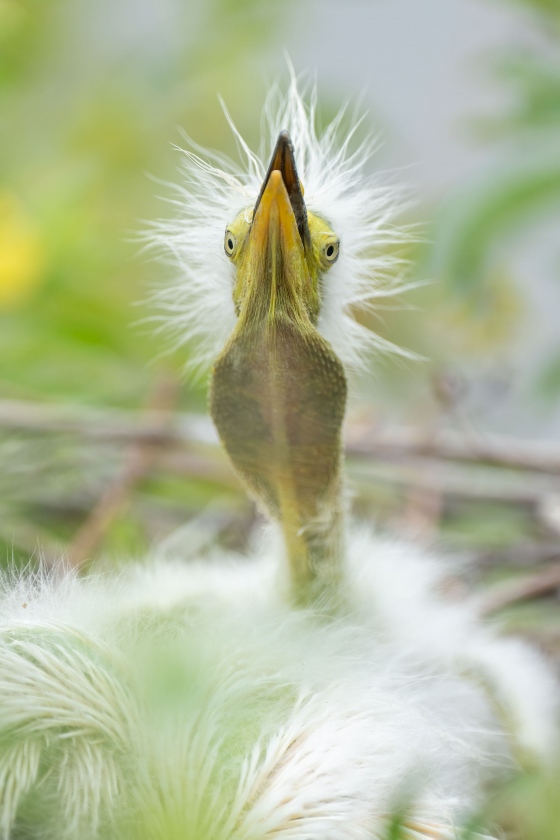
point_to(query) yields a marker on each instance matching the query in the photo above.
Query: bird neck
(278, 397)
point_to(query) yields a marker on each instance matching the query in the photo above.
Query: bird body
(195, 701)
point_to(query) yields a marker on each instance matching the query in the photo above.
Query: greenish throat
(278, 399)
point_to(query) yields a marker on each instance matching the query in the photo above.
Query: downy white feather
(189, 701)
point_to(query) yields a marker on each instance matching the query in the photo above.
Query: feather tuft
(166, 702)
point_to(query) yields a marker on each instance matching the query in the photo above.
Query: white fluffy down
(188, 701)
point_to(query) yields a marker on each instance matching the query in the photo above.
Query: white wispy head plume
(188, 702)
(332, 165)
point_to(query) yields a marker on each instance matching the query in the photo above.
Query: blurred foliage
(549, 9)
(90, 98)
(528, 808)
(478, 226)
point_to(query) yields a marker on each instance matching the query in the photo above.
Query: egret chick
(278, 391)
(198, 702)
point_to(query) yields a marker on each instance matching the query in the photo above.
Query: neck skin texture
(278, 397)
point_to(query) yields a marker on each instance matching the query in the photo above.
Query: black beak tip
(283, 160)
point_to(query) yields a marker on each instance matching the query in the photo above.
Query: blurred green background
(100, 455)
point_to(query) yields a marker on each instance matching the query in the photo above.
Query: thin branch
(362, 440)
(520, 554)
(454, 481)
(109, 424)
(139, 462)
(500, 451)
(530, 587)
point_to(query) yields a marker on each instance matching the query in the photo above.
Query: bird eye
(229, 243)
(330, 251)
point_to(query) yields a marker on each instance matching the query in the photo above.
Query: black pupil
(330, 250)
(230, 244)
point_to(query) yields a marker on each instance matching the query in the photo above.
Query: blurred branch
(521, 554)
(455, 481)
(150, 425)
(139, 462)
(362, 440)
(508, 452)
(534, 586)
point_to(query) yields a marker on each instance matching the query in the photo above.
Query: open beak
(283, 161)
(279, 244)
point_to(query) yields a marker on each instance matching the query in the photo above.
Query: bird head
(346, 207)
(279, 250)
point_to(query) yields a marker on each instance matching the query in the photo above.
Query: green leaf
(476, 220)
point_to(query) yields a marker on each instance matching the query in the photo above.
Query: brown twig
(521, 554)
(508, 452)
(522, 590)
(150, 425)
(139, 461)
(454, 481)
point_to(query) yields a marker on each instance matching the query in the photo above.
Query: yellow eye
(330, 250)
(230, 242)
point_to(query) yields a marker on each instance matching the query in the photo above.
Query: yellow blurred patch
(12, 17)
(22, 257)
(487, 320)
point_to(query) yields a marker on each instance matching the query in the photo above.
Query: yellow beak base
(274, 268)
